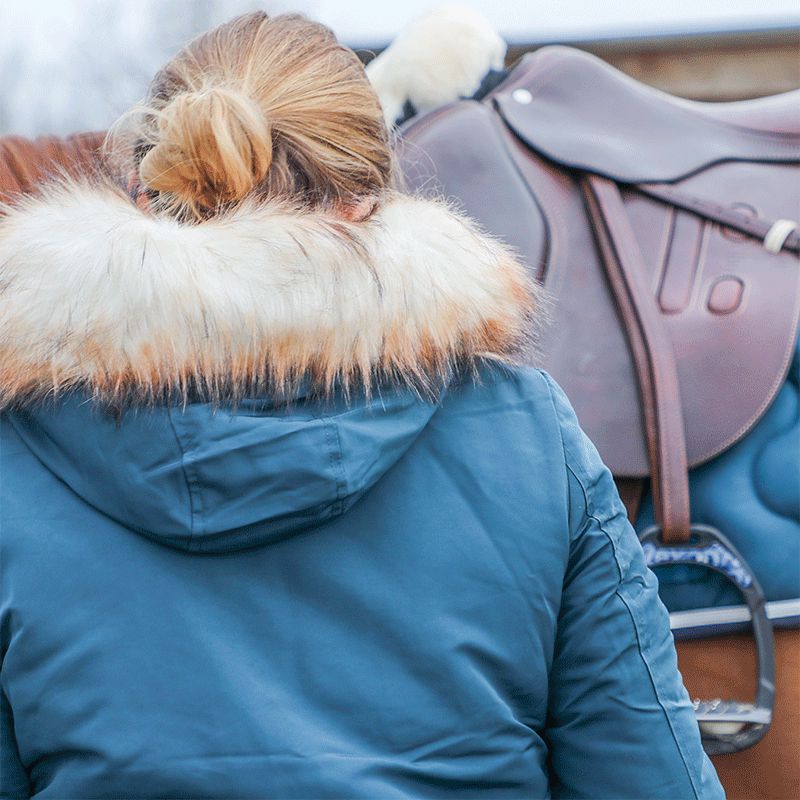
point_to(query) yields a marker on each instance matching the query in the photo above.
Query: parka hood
(221, 385)
(206, 480)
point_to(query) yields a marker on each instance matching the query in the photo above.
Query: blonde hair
(262, 107)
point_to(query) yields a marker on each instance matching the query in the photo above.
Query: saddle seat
(583, 113)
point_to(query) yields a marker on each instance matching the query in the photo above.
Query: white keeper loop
(778, 234)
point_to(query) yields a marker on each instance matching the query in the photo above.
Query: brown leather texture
(736, 219)
(725, 667)
(589, 116)
(631, 492)
(729, 308)
(478, 160)
(652, 354)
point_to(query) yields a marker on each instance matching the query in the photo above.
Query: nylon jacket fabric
(382, 598)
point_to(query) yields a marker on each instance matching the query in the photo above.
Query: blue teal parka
(427, 589)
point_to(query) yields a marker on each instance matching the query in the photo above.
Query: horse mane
(26, 164)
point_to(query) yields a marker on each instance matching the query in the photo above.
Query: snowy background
(69, 65)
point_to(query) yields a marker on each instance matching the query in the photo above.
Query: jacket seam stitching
(588, 505)
(548, 383)
(337, 465)
(675, 738)
(588, 502)
(189, 482)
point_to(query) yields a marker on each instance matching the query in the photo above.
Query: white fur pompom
(437, 58)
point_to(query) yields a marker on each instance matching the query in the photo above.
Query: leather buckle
(726, 726)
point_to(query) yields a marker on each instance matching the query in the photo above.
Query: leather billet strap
(789, 238)
(652, 353)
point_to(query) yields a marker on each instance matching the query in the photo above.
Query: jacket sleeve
(620, 723)
(13, 779)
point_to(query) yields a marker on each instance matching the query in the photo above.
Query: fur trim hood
(129, 307)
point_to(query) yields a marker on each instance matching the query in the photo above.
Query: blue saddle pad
(751, 493)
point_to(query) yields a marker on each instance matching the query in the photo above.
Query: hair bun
(211, 146)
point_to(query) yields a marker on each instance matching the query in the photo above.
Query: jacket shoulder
(589, 488)
(506, 422)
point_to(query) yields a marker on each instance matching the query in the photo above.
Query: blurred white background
(69, 65)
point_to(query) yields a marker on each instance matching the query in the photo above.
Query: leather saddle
(653, 222)
(666, 233)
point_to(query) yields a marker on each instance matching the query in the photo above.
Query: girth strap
(652, 354)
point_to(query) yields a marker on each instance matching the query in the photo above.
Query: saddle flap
(579, 112)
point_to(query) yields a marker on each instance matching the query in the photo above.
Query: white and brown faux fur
(98, 296)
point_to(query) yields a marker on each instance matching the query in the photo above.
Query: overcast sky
(77, 64)
(367, 21)
(371, 22)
